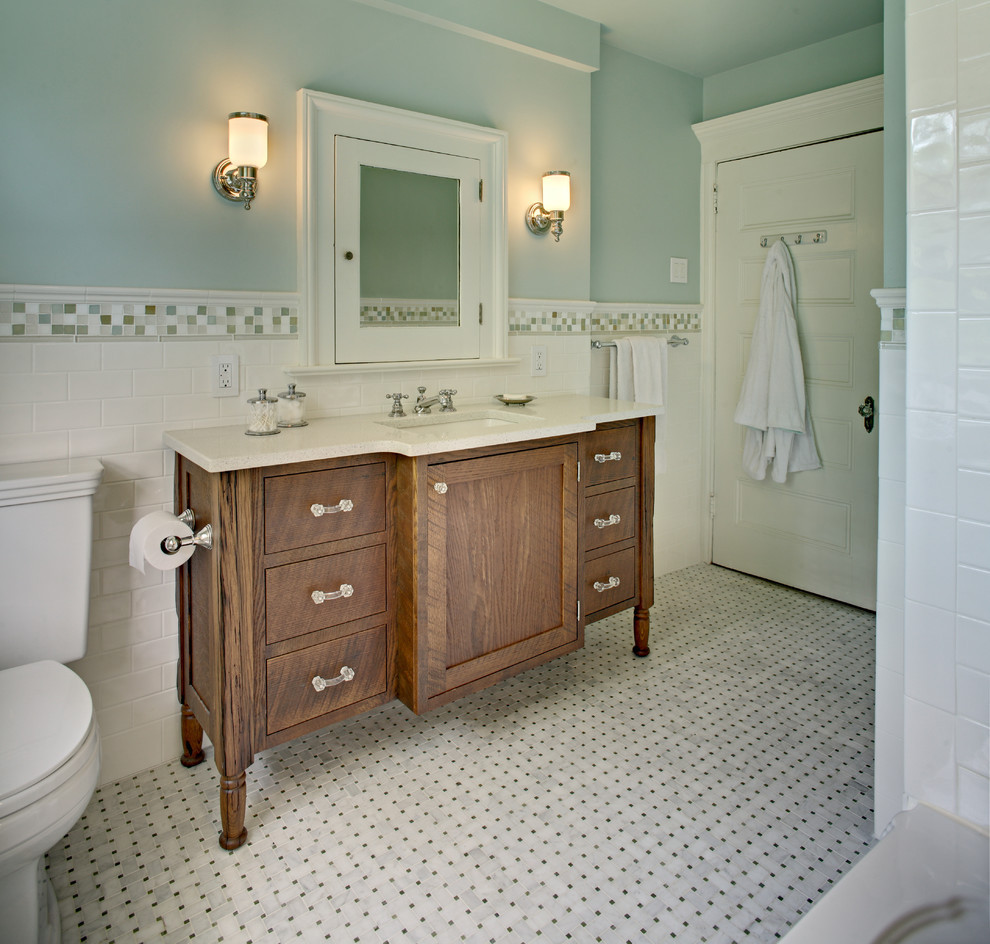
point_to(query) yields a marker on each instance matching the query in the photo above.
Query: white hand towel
(639, 373)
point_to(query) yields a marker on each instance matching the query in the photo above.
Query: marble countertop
(226, 448)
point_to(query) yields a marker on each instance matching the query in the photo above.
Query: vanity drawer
(605, 443)
(602, 508)
(289, 606)
(289, 519)
(619, 566)
(292, 699)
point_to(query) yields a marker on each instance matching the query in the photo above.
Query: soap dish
(514, 399)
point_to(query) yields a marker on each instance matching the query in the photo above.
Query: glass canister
(263, 418)
(291, 408)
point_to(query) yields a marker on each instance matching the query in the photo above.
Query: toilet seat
(51, 719)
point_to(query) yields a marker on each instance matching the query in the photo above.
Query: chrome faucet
(444, 397)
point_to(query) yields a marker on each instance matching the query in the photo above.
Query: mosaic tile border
(893, 322)
(70, 312)
(420, 312)
(40, 312)
(578, 318)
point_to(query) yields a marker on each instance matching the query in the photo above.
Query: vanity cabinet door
(502, 569)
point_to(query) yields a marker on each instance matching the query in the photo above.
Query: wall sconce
(236, 177)
(549, 215)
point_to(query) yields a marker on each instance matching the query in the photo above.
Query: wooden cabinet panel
(604, 508)
(605, 443)
(600, 576)
(292, 699)
(290, 523)
(501, 568)
(289, 606)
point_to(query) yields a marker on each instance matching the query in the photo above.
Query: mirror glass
(409, 260)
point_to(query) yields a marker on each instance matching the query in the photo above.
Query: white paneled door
(818, 530)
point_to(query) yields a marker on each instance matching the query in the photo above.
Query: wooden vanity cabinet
(439, 575)
(617, 477)
(253, 638)
(488, 567)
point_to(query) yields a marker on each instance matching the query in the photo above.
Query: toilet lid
(46, 712)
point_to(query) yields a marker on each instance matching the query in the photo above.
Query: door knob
(866, 410)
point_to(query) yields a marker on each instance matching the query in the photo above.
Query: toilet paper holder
(202, 538)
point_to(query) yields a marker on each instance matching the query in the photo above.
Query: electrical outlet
(538, 365)
(224, 375)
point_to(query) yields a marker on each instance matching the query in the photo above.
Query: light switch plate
(678, 269)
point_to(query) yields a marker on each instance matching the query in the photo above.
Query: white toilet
(49, 742)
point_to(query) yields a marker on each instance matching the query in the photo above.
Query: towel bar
(673, 341)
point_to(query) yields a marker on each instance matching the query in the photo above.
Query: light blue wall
(894, 147)
(646, 166)
(847, 58)
(114, 114)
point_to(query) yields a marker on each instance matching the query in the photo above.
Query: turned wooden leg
(233, 802)
(192, 739)
(641, 631)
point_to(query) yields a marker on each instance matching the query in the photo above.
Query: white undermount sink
(461, 421)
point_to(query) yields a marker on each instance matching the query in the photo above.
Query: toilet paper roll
(146, 542)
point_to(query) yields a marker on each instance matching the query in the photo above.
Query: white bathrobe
(772, 405)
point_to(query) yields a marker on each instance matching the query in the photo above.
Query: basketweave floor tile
(711, 792)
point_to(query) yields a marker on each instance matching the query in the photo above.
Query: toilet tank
(46, 538)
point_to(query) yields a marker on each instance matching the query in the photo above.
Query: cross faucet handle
(446, 397)
(397, 399)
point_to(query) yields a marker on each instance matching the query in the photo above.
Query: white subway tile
(126, 687)
(33, 388)
(154, 599)
(180, 408)
(132, 355)
(190, 353)
(114, 496)
(930, 49)
(974, 341)
(97, 667)
(932, 168)
(974, 29)
(66, 357)
(134, 465)
(67, 415)
(105, 609)
(974, 545)
(17, 357)
(131, 410)
(16, 421)
(109, 552)
(157, 652)
(155, 707)
(33, 446)
(890, 573)
(108, 441)
(974, 393)
(890, 512)
(931, 461)
(890, 638)
(889, 702)
(972, 746)
(131, 751)
(929, 558)
(124, 578)
(148, 437)
(929, 754)
(974, 798)
(974, 188)
(152, 383)
(974, 83)
(973, 445)
(973, 592)
(973, 694)
(154, 491)
(894, 437)
(974, 295)
(114, 720)
(932, 263)
(973, 643)
(929, 655)
(105, 383)
(131, 632)
(974, 240)
(974, 135)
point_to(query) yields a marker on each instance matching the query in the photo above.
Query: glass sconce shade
(556, 191)
(247, 135)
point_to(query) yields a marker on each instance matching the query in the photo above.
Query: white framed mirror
(402, 240)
